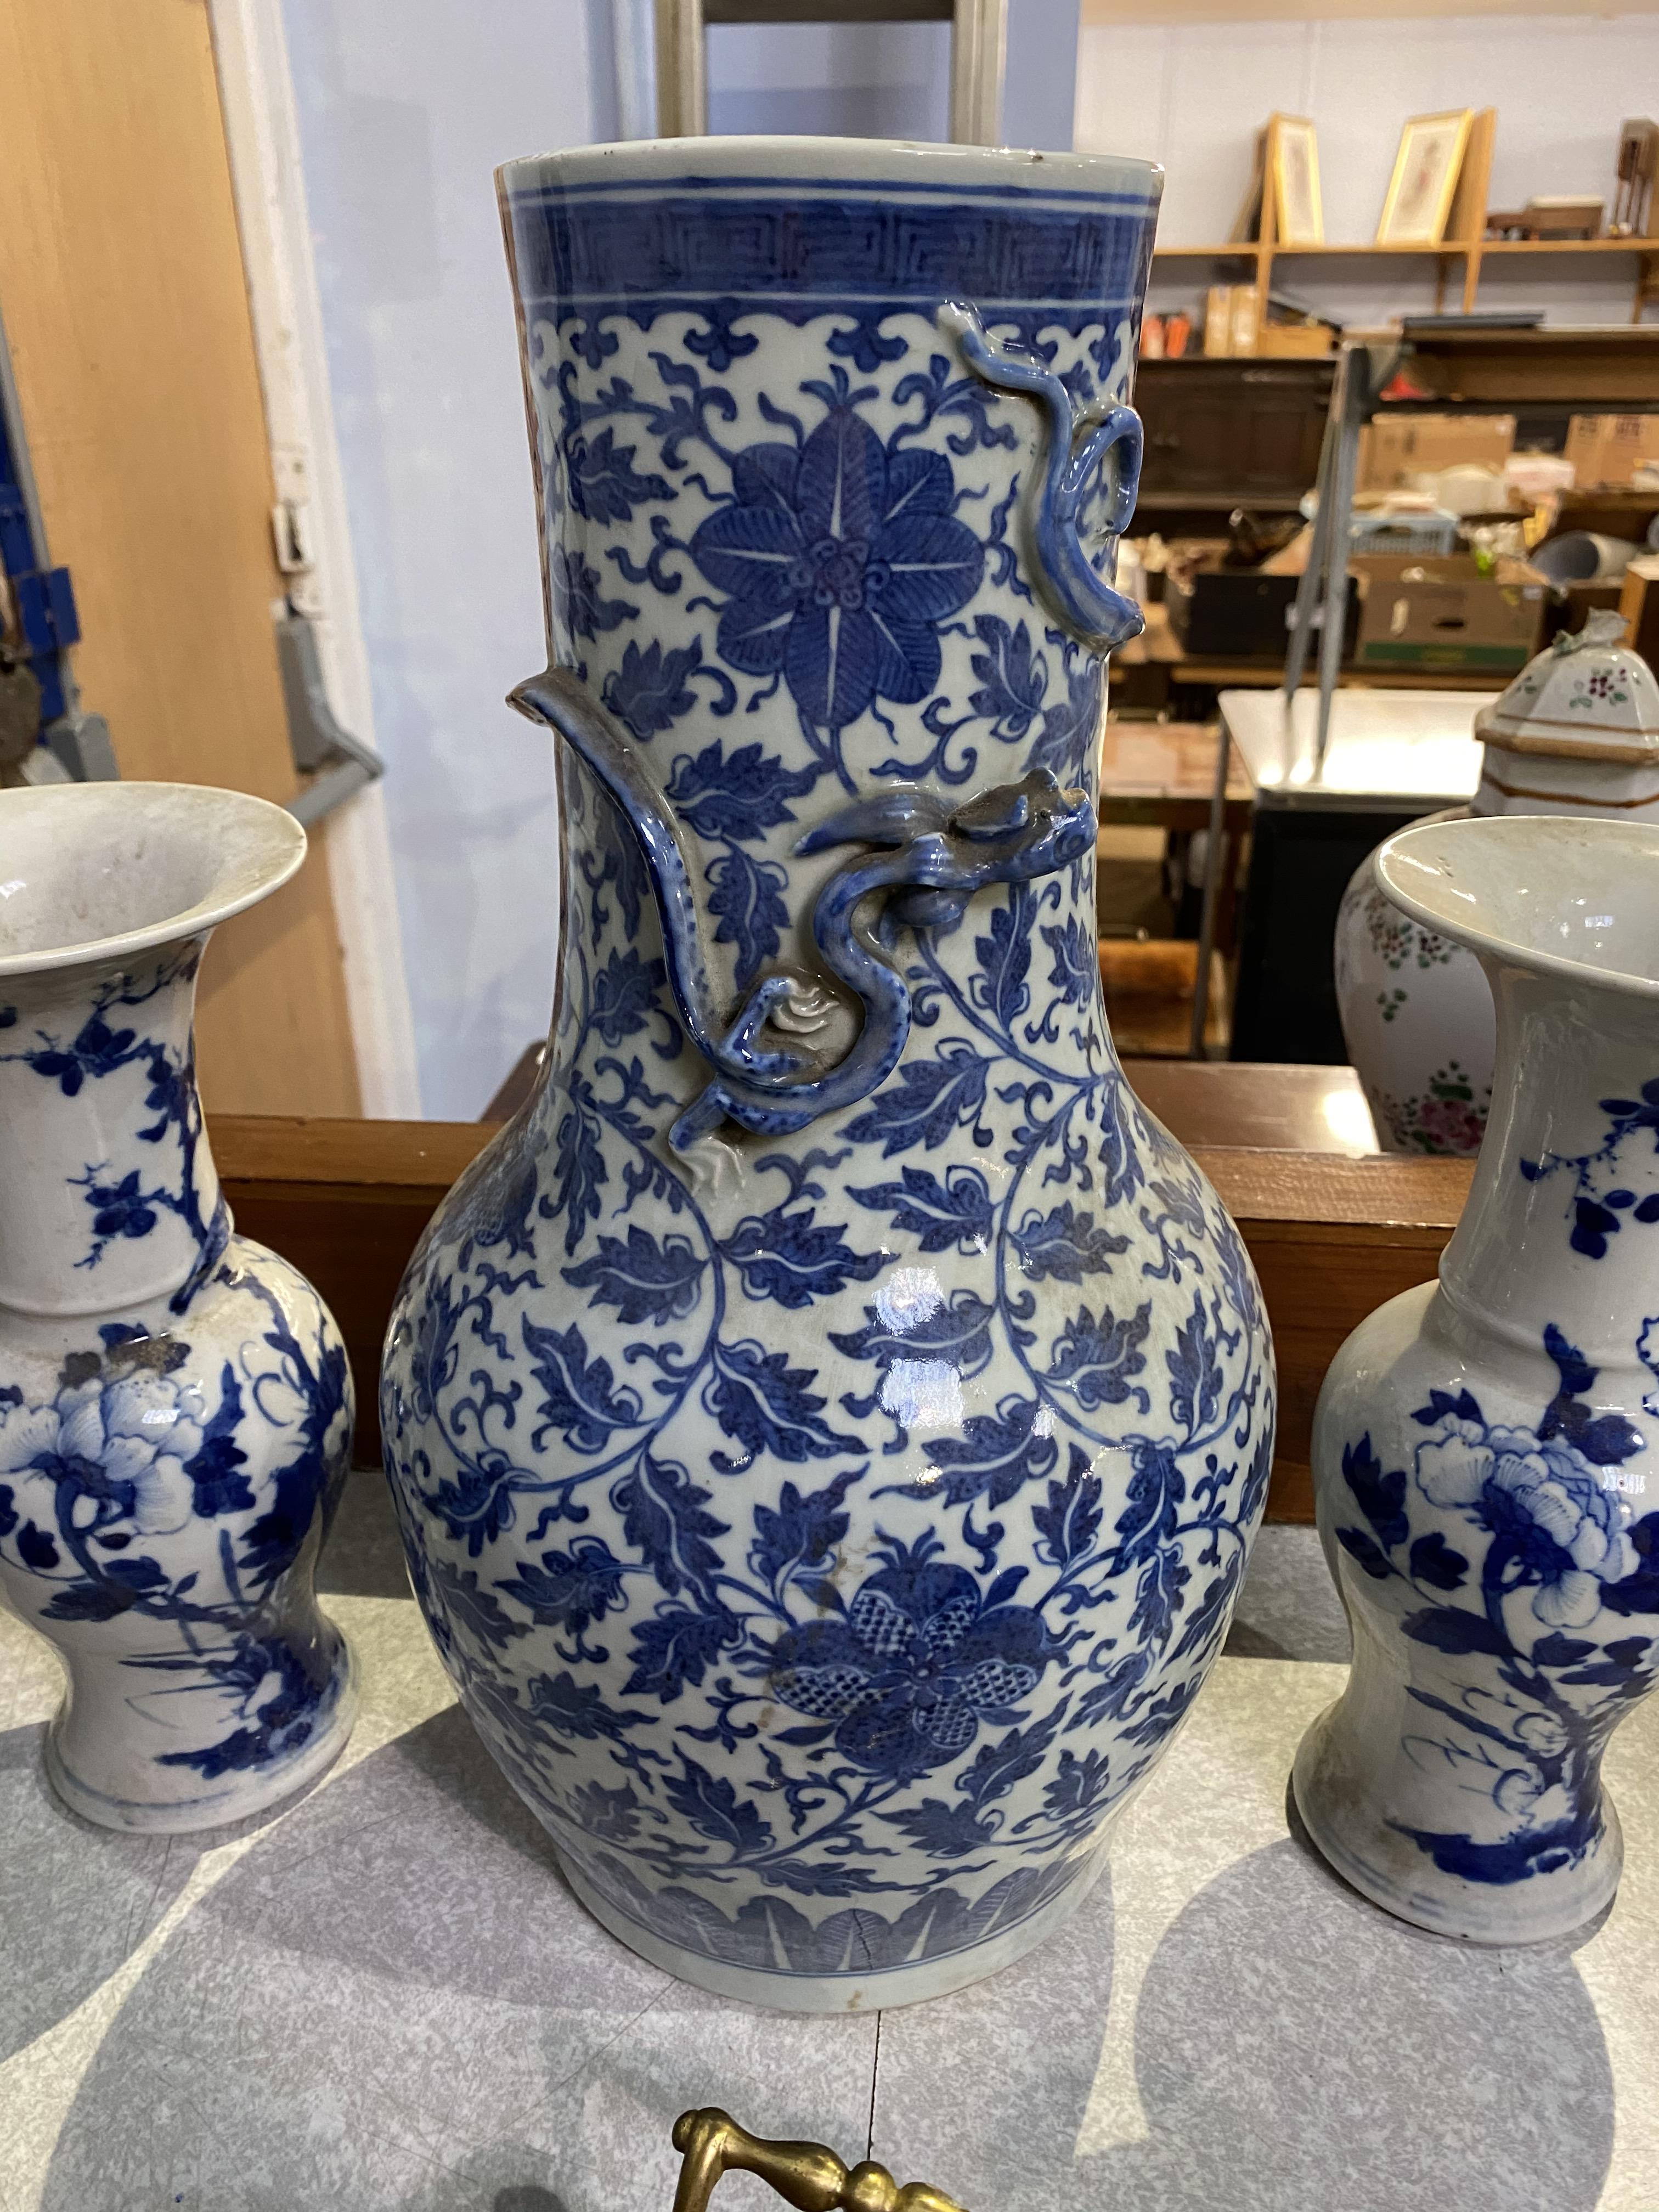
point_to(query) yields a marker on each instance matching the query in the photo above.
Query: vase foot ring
(234, 1797)
(784, 1992)
(1490, 1926)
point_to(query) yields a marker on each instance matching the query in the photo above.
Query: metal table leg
(1217, 832)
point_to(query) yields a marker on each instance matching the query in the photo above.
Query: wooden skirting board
(1331, 1239)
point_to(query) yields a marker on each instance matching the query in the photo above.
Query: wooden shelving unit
(1465, 243)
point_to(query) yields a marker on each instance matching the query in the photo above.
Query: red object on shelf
(1400, 386)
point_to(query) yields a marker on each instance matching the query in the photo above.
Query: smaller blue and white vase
(1486, 1448)
(175, 1404)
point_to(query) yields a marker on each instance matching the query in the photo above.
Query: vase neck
(109, 1200)
(1562, 1225)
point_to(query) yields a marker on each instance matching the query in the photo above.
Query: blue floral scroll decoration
(126, 1207)
(839, 557)
(921, 1658)
(930, 859)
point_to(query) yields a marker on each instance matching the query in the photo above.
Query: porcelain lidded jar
(176, 1405)
(828, 1423)
(1576, 733)
(1485, 1449)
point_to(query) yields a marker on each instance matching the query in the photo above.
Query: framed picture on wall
(1298, 219)
(1425, 178)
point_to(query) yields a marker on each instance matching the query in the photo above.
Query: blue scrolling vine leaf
(578, 604)
(605, 486)
(1599, 1215)
(124, 1209)
(957, 1213)
(980, 1144)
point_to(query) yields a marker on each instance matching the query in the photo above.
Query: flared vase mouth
(97, 871)
(780, 160)
(1545, 893)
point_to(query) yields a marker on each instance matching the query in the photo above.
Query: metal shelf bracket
(978, 47)
(43, 609)
(343, 765)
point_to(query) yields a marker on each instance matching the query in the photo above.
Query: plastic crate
(1432, 535)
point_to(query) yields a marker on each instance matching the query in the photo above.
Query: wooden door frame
(262, 135)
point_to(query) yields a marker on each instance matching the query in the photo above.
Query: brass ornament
(807, 2175)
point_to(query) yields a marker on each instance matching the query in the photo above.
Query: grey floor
(384, 1997)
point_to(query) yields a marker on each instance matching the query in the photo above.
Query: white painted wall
(1193, 95)
(889, 80)
(405, 107)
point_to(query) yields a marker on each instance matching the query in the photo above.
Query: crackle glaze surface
(829, 1483)
(1482, 1448)
(175, 1406)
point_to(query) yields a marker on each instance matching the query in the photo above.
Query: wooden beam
(1614, 370)
(1331, 1239)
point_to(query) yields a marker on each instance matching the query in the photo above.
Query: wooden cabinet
(1226, 434)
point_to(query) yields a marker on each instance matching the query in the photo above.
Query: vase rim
(95, 872)
(776, 159)
(1548, 893)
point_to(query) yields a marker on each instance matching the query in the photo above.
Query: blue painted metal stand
(44, 599)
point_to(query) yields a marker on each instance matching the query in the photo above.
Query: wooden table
(1257, 1107)
(1161, 775)
(1389, 758)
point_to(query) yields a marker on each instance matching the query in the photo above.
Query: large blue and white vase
(1486, 1448)
(175, 1406)
(829, 1422)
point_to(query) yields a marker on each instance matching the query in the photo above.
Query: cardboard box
(1294, 341)
(1418, 612)
(1604, 449)
(1570, 608)
(1396, 447)
(1246, 320)
(1240, 614)
(1217, 322)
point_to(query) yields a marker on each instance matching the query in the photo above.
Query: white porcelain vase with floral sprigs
(1576, 733)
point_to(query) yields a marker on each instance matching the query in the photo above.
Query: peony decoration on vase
(1481, 1446)
(176, 1405)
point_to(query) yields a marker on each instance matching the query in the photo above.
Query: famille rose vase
(1486, 1450)
(828, 1422)
(1576, 733)
(175, 1406)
